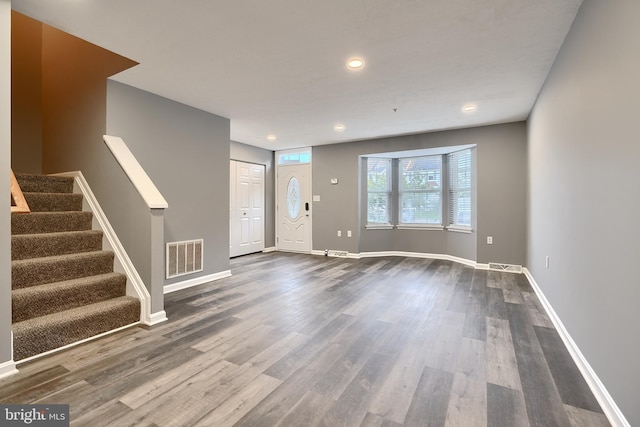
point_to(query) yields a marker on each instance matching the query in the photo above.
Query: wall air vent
(505, 267)
(184, 257)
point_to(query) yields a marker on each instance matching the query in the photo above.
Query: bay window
(425, 191)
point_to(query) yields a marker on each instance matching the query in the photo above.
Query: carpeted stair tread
(64, 288)
(24, 246)
(44, 183)
(49, 298)
(50, 222)
(53, 202)
(41, 334)
(38, 271)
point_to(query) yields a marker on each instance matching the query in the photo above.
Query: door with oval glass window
(294, 208)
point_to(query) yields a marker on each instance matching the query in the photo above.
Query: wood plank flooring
(301, 340)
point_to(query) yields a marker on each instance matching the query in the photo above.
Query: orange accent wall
(26, 94)
(68, 106)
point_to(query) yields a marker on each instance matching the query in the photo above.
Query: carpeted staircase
(64, 288)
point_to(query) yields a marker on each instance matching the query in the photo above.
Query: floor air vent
(505, 267)
(341, 254)
(184, 257)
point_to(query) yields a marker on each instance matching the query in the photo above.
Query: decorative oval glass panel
(293, 198)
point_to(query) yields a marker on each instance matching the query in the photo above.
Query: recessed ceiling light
(271, 137)
(355, 63)
(339, 127)
(469, 108)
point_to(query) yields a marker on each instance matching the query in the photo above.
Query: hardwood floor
(301, 340)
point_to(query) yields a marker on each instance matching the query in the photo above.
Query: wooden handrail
(18, 202)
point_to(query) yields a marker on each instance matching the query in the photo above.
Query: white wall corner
(7, 369)
(608, 405)
(195, 282)
(157, 317)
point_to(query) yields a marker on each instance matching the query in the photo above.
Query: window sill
(460, 229)
(427, 227)
(421, 227)
(379, 227)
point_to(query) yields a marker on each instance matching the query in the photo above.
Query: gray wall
(500, 168)
(132, 221)
(584, 196)
(5, 156)
(260, 156)
(185, 151)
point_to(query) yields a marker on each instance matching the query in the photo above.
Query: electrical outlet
(339, 233)
(489, 240)
(348, 233)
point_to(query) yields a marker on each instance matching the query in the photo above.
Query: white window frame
(402, 161)
(387, 192)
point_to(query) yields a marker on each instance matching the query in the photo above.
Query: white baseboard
(444, 257)
(157, 317)
(73, 344)
(332, 254)
(195, 282)
(471, 263)
(7, 369)
(608, 405)
(405, 254)
(270, 249)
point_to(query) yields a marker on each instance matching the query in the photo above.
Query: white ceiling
(278, 66)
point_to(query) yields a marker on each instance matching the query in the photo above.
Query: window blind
(378, 190)
(460, 188)
(420, 187)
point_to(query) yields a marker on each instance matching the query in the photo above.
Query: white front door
(246, 211)
(294, 208)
